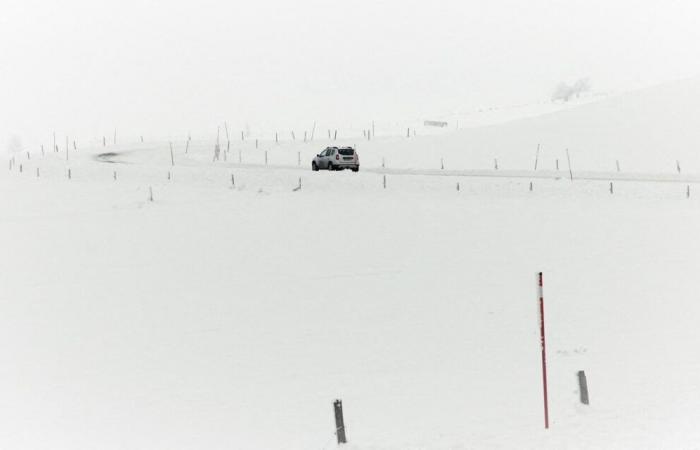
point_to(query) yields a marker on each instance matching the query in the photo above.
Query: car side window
(331, 152)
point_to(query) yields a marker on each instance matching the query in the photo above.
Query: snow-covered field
(220, 316)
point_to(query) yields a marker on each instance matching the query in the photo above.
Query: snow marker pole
(544, 357)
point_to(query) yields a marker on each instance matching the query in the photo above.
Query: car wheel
(355, 169)
(330, 166)
(314, 167)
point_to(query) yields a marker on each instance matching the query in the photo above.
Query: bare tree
(566, 92)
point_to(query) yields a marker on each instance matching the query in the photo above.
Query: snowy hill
(231, 312)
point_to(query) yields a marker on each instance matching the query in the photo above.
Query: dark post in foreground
(583, 386)
(339, 423)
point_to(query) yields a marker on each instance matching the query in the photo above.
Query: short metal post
(339, 422)
(583, 386)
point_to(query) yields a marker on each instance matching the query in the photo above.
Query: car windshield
(346, 151)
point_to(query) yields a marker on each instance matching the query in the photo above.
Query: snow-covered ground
(221, 316)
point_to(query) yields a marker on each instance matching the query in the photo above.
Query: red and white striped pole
(544, 357)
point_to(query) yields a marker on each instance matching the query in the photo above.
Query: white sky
(84, 67)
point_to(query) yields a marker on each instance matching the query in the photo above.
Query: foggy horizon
(168, 68)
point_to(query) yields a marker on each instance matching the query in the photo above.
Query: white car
(337, 158)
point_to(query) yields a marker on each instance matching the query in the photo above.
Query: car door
(329, 157)
(322, 160)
